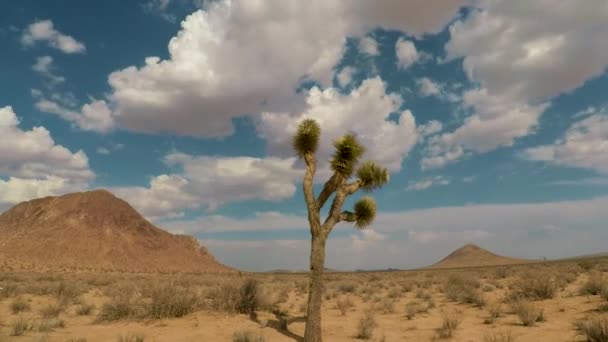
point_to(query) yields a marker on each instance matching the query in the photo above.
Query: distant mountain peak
(471, 255)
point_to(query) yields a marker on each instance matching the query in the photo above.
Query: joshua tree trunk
(369, 176)
(313, 331)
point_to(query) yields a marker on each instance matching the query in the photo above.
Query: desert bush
(501, 272)
(448, 326)
(464, 290)
(594, 285)
(169, 301)
(411, 309)
(20, 327)
(499, 336)
(19, 305)
(347, 287)
(247, 336)
(366, 326)
(586, 265)
(120, 307)
(248, 301)
(344, 304)
(130, 337)
(51, 311)
(534, 286)
(282, 317)
(50, 324)
(495, 312)
(225, 298)
(85, 309)
(595, 329)
(9, 290)
(387, 305)
(528, 313)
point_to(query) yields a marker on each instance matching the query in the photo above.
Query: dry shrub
(534, 286)
(347, 287)
(19, 305)
(85, 309)
(225, 298)
(130, 337)
(344, 304)
(52, 310)
(366, 326)
(499, 336)
(127, 303)
(528, 313)
(20, 327)
(494, 311)
(247, 336)
(594, 285)
(594, 328)
(169, 300)
(248, 300)
(459, 288)
(448, 326)
(411, 309)
(50, 324)
(387, 305)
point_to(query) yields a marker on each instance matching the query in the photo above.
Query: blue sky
(494, 127)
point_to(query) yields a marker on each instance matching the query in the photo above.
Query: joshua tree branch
(329, 188)
(347, 216)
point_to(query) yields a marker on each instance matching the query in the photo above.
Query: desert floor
(485, 304)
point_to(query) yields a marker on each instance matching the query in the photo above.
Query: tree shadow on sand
(281, 327)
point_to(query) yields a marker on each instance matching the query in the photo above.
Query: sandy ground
(560, 313)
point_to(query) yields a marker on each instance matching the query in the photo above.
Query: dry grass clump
(52, 310)
(19, 305)
(535, 286)
(411, 309)
(366, 326)
(169, 300)
(448, 326)
(499, 336)
(85, 309)
(347, 287)
(594, 285)
(130, 337)
(50, 324)
(495, 312)
(528, 313)
(247, 336)
(595, 328)
(344, 304)
(20, 326)
(463, 289)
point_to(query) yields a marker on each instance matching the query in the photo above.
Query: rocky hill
(94, 231)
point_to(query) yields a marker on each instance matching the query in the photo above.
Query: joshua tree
(345, 181)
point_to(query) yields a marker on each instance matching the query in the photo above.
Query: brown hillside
(474, 256)
(94, 231)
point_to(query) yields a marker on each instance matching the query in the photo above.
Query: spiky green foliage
(347, 154)
(365, 211)
(306, 139)
(372, 176)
